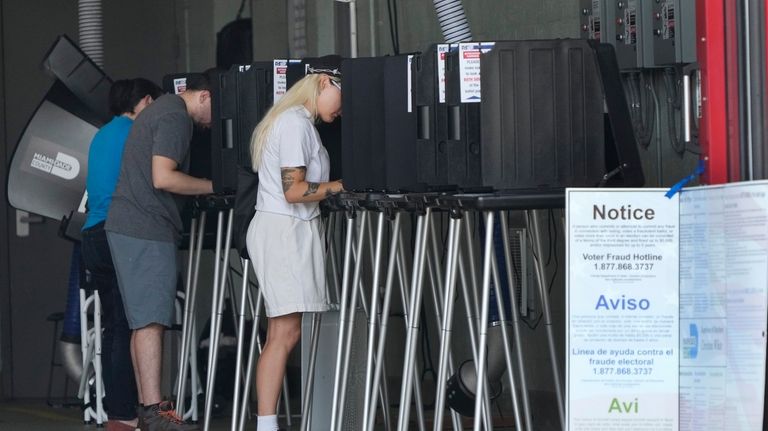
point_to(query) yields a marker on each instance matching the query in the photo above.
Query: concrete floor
(36, 415)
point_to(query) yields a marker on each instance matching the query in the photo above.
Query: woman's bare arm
(297, 189)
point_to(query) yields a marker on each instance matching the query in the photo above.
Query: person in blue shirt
(127, 98)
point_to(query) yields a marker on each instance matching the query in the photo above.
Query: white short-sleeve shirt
(292, 142)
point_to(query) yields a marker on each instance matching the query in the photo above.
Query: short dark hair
(201, 81)
(126, 93)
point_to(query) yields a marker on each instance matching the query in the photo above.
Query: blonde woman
(284, 237)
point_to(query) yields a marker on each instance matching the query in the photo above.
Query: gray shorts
(147, 274)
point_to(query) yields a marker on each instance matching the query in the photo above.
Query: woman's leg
(283, 333)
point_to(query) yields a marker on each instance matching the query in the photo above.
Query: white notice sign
(409, 73)
(622, 301)
(179, 85)
(469, 69)
(442, 52)
(280, 79)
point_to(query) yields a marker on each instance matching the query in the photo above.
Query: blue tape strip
(680, 184)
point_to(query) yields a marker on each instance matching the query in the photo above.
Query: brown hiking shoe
(162, 417)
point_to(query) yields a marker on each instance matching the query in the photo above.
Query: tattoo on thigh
(286, 175)
(311, 188)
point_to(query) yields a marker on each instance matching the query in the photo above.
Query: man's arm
(165, 176)
(296, 189)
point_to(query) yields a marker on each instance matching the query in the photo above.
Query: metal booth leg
(375, 377)
(536, 232)
(417, 290)
(403, 273)
(285, 396)
(185, 320)
(347, 340)
(214, 310)
(483, 328)
(314, 341)
(98, 377)
(437, 286)
(373, 316)
(217, 309)
(375, 264)
(190, 301)
(255, 343)
(240, 345)
(470, 287)
(445, 365)
(332, 258)
(346, 285)
(505, 336)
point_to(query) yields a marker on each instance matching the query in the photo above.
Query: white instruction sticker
(410, 84)
(469, 69)
(179, 85)
(280, 79)
(442, 52)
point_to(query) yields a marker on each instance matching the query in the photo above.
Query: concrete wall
(270, 29)
(488, 20)
(38, 266)
(142, 38)
(5, 293)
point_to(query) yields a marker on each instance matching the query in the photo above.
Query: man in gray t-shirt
(139, 209)
(144, 226)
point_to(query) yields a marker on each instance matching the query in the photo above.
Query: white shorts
(289, 262)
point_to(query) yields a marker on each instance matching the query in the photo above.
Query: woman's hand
(336, 187)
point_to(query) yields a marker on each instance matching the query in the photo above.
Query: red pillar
(711, 55)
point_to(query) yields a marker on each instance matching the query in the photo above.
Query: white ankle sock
(266, 423)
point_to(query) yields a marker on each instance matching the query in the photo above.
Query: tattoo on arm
(311, 188)
(286, 174)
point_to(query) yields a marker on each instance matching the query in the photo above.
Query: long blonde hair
(306, 90)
